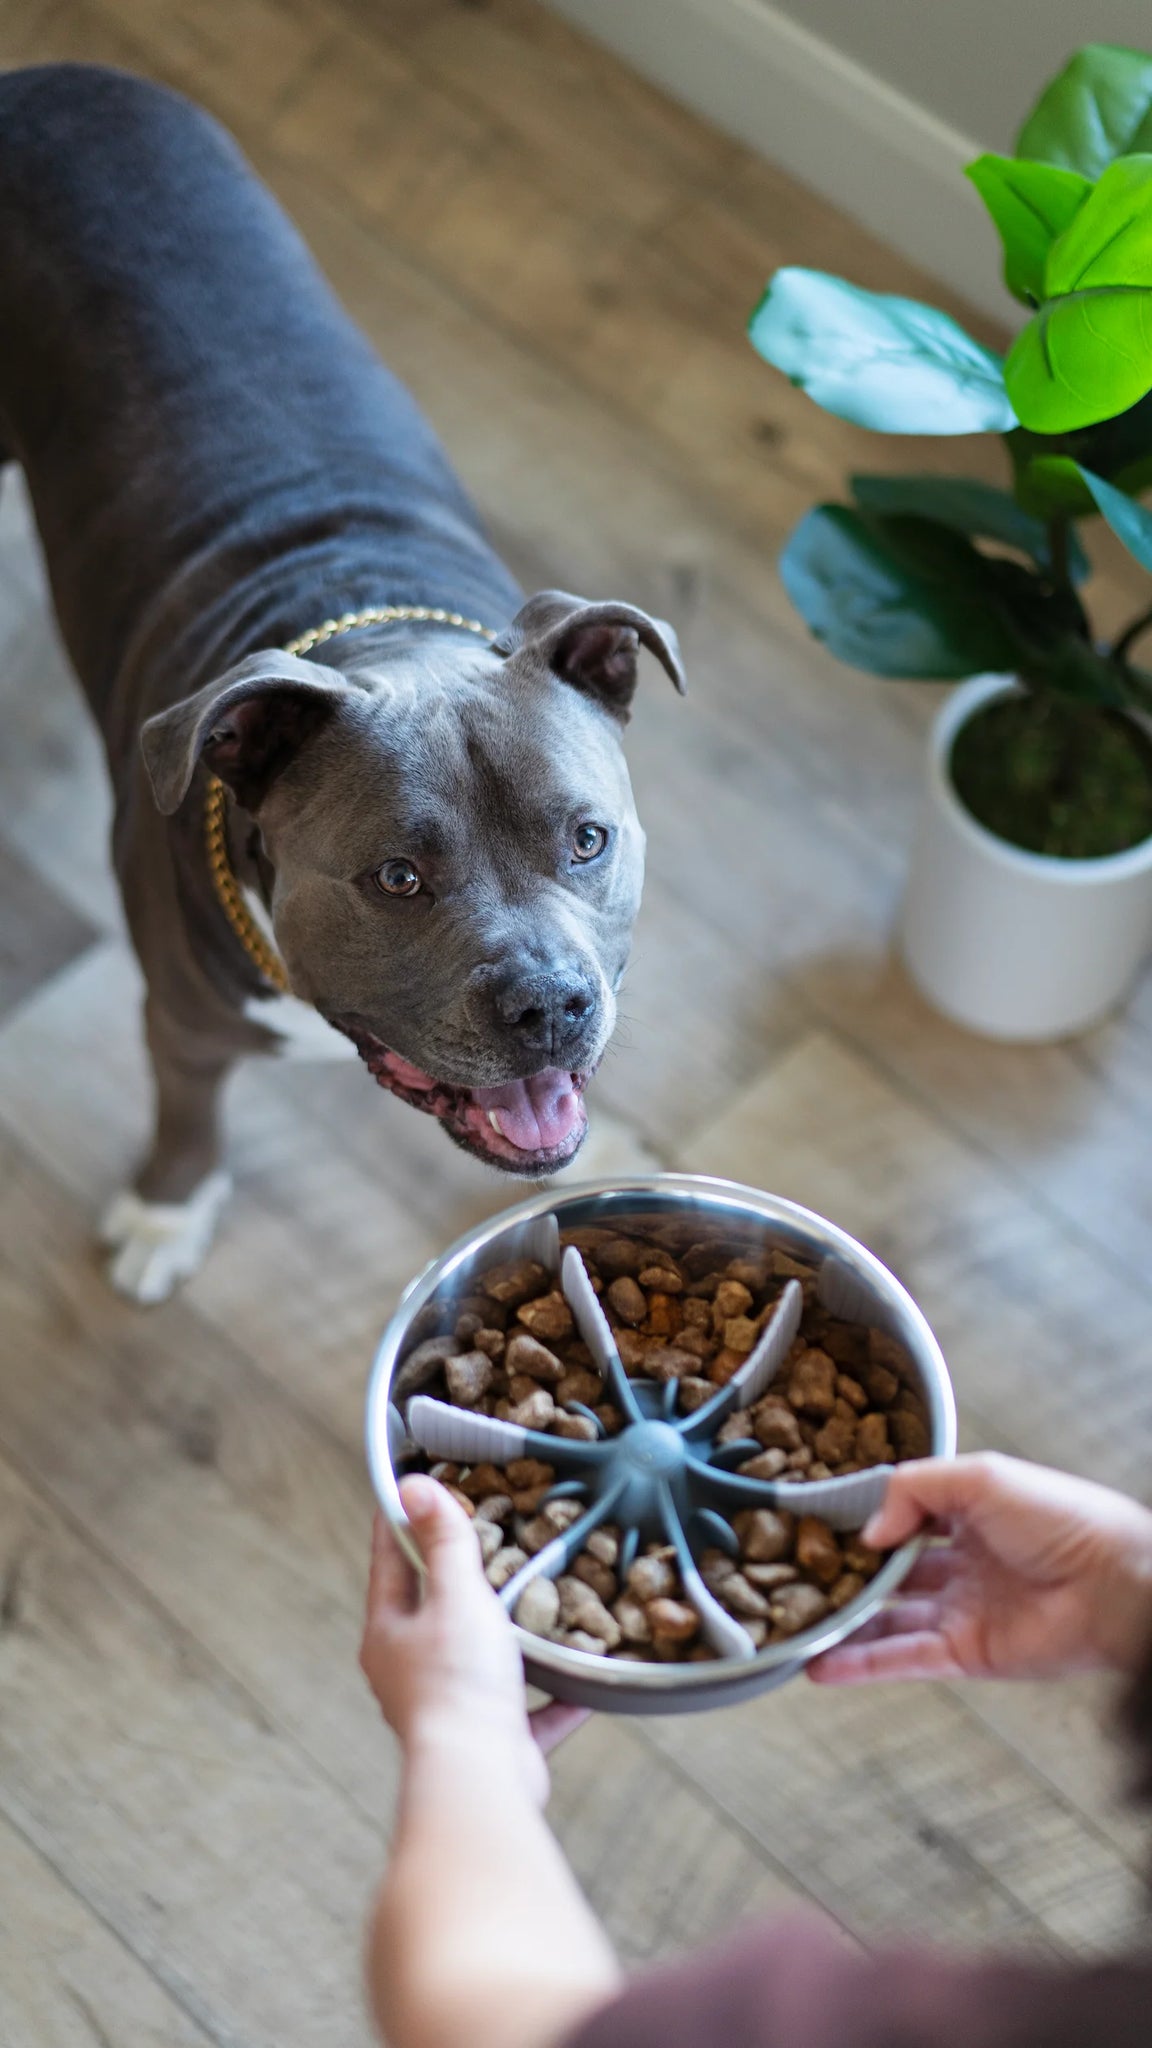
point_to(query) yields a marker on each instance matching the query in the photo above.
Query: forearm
(481, 1937)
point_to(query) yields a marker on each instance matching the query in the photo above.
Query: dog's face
(455, 856)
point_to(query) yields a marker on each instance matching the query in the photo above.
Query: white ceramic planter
(1012, 944)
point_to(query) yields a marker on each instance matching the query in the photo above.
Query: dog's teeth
(495, 1123)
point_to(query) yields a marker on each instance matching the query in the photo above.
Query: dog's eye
(399, 878)
(589, 842)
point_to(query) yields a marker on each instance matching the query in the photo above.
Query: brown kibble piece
(581, 1608)
(632, 1617)
(529, 1472)
(732, 1298)
(666, 1362)
(715, 1567)
(737, 1427)
(515, 1282)
(664, 1278)
(619, 1255)
(491, 1343)
(535, 1533)
(627, 1300)
(846, 1588)
(538, 1608)
(579, 1639)
(880, 1385)
(740, 1334)
(812, 1384)
(672, 1621)
(817, 1551)
(605, 1544)
(797, 1607)
(698, 1342)
(536, 1412)
(910, 1433)
(768, 1465)
(549, 1318)
(799, 1461)
(751, 1273)
(577, 1428)
(599, 1576)
(860, 1557)
(850, 1390)
(483, 1479)
(740, 1596)
(580, 1385)
(505, 1565)
(694, 1392)
(887, 1351)
(767, 1576)
(633, 1348)
(697, 1315)
(526, 1354)
(775, 1426)
(764, 1535)
(872, 1444)
(489, 1537)
(725, 1364)
(651, 1578)
(469, 1378)
(422, 1365)
(665, 1315)
(495, 1507)
(836, 1442)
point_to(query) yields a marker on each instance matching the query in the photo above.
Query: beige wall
(978, 64)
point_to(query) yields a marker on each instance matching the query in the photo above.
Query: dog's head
(454, 857)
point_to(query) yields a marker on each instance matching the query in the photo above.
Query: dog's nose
(546, 1011)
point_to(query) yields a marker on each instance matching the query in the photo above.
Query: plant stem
(1058, 552)
(1130, 635)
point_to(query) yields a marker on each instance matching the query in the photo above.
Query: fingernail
(872, 1530)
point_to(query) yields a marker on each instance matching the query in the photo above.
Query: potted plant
(1029, 908)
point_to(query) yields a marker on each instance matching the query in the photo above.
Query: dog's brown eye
(398, 878)
(590, 841)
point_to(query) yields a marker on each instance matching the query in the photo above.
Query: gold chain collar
(262, 954)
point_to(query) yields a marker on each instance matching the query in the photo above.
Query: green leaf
(968, 507)
(881, 362)
(1099, 108)
(1047, 481)
(1130, 522)
(1031, 205)
(1087, 354)
(896, 597)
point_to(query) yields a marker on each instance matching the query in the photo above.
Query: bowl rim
(749, 1204)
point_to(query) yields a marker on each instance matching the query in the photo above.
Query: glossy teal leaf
(970, 508)
(895, 597)
(882, 362)
(1087, 353)
(1099, 108)
(1031, 204)
(1130, 522)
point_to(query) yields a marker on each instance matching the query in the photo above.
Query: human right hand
(1037, 1574)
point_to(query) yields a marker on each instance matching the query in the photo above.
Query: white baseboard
(839, 128)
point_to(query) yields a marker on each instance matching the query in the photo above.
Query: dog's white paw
(156, 1245)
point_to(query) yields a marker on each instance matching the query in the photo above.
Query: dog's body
(218, 463)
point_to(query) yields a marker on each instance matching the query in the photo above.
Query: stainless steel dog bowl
(852, 1283)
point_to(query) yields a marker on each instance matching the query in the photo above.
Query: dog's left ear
(592, 646)
(246, 726)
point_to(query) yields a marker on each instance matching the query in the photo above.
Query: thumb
(924, 1490)
(443, 1534)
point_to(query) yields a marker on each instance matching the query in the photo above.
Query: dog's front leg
(159, 1231)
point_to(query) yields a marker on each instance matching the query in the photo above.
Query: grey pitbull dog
(437, 828)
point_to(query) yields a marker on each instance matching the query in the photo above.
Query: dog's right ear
(246, 726)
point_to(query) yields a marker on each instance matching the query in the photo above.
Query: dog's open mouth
(534, 1126)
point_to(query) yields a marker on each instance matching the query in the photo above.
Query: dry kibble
(812, 1384)
(872, 1445)
(725, 1364)
(846, 1588)
(627, 1300)
(910, 1434)
(579, 1639)
(668, 1362)
(738, 1426)
(580, 1385)
(497, 1507)
(797, 1607)
(740, 1334)
(619, 1255)
(469, 1377)
(741, 1596)
(732, 1298)
(525, 1354)
(491, 1342)
(880, 1385)
(538, 1608)
(817, 1551)
(697, 1315)
(651, 1578)
(768, 1465)
(529, 1472)
(836, 1442)
(535, 1533)
(764, 1534)
(536, 1412)
(467, 1326)
(665, 1279)
(549, 1318)
(694, 1392)
(698, 1342)
(799, 1461)
(462, 1500)
(632, 1616)
(765, 1576)
(633, 1348)
(600, 1577)
(850, 1390)
(480, 1480)
(672, 1621)
(775, 1426)
(715, 1567)
(605, 1545)
(753, 1273)
(505, 1564)
(422, 1365)
(515, 1282)
(581, 1607)
(577, 1427)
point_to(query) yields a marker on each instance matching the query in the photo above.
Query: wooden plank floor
(194, 1790)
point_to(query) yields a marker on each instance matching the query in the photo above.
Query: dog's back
(186, 395)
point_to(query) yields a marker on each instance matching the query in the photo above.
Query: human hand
(1037, 1574)
(449, 1658)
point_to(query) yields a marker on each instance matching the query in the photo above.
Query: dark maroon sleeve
(795, 1985)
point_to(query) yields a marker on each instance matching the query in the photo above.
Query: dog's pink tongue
(535, 1115)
